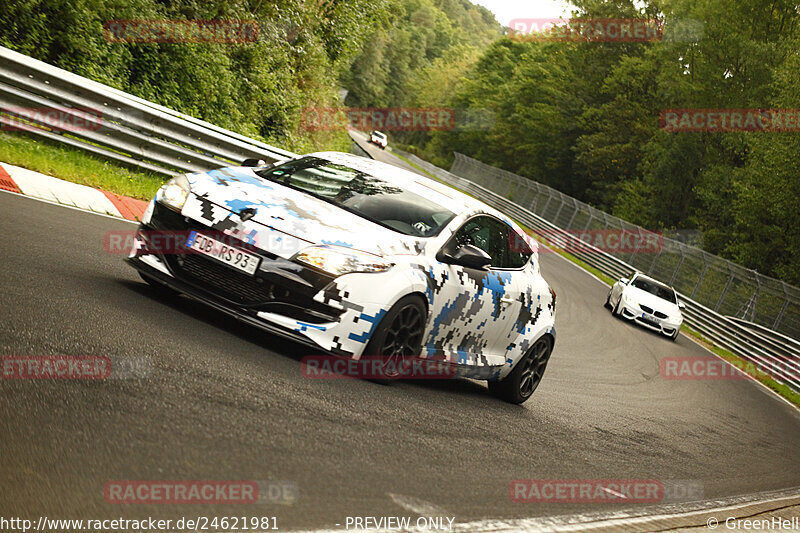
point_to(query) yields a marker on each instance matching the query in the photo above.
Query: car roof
(440, 193)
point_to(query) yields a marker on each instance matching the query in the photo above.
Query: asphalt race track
(210, 399)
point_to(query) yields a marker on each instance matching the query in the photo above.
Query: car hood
(291, 212)
(652, 301)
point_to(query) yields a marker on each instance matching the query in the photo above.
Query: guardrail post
(655, 258)
(560, 207)
(574, 213)
(635, 250)
(677, 269)
(724, 291)
(544, 209)
(700, 278)
(783, 307)
(589, 222)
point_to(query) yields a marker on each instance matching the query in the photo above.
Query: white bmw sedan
(648, 303)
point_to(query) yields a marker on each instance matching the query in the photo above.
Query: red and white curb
(37, 185)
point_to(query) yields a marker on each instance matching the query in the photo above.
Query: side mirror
(624, 281)
(471, 256)
(681, 306)
(254, 163)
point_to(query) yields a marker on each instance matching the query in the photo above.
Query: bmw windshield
(663, 292)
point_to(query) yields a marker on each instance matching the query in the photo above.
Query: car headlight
(338, 261)
(173, 194)
(628, 299)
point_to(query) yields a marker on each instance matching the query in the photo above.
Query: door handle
(507, 301)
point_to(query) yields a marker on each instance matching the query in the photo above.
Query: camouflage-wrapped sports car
(356, 257)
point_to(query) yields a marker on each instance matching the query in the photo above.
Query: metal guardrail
(113, 124)
(780, 358)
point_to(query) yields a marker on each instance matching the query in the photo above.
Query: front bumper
(220, 304)
(633, 313)
(281, 296)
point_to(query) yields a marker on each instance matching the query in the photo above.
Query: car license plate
(224, 253)
(650, 320)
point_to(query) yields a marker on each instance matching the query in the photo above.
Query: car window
(663, 292)
(495, 238)
(519, 251)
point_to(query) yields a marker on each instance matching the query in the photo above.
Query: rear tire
(524, 379)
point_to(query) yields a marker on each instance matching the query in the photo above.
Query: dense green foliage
(256, 88)
(417, 56)
(583, 117)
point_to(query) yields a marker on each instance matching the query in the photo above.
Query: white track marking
(415, 505)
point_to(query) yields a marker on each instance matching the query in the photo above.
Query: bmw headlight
(338, 261)
(173, 194)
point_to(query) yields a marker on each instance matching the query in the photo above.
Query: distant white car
(648, 303)
(379, 138)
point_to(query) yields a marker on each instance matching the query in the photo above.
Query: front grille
(646, 309)
(659, 314)
(284, 287)
(228, 283)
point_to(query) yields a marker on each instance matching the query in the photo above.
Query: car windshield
(378, 134)
(367, 196)
(663, 292)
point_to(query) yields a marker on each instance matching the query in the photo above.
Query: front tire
(398, 337)
(524, 379)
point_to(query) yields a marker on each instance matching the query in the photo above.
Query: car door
(474, 323)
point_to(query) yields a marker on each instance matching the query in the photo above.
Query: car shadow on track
(288, 348)
(217, 319)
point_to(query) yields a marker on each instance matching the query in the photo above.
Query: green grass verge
(76, 166)
(745, 366)
(739, 362)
